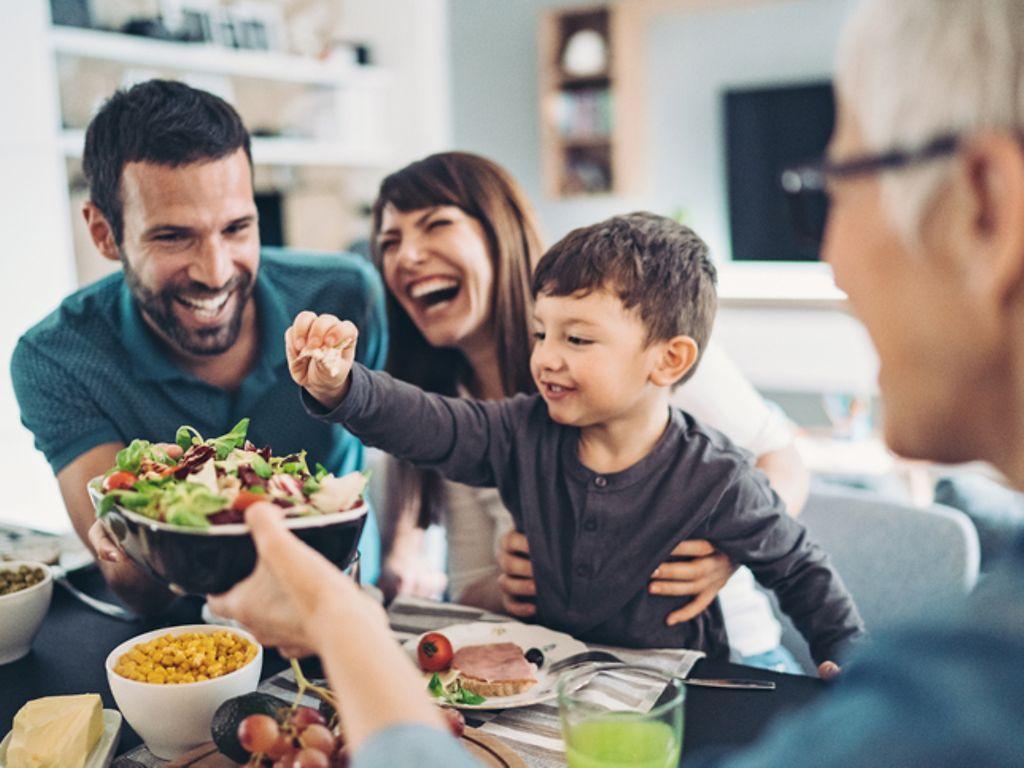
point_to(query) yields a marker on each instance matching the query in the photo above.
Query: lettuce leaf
(188, 518)
(187, 436)
(225, 444)
(191, 504)
(261, 467)
(453, 693)
(130, 457)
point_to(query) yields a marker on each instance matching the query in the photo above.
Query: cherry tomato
(119, 480)
(434, 652)
(245, 498)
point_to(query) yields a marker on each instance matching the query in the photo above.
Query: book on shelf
(584, 115)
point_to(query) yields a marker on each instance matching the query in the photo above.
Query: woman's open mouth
(432, 293)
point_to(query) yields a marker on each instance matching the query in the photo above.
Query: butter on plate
(56, 732)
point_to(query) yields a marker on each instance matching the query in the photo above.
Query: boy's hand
(829, 670)
(320, 350)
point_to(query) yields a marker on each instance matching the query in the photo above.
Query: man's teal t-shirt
(93, 372)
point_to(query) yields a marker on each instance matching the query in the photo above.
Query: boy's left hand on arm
(702, 577)
(829, 670)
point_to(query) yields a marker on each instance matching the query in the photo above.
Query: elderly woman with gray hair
(926, 235)
(925, 174)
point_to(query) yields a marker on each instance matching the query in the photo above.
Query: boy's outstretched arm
(750, 525)
(465, 440)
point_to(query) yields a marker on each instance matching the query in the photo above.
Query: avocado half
(230, 714)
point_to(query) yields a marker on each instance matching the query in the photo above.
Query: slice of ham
(494, 662)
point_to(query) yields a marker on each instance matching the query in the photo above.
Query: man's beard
(159, 308)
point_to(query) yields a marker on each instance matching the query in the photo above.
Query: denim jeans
(778, 659)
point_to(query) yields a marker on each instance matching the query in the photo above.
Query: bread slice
(495, 688)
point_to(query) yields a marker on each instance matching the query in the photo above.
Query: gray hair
(914, 70)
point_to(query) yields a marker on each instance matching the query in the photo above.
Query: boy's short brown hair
(653, 264)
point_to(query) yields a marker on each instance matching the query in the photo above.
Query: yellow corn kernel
(186, 658)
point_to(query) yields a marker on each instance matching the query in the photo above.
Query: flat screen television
(766, 130)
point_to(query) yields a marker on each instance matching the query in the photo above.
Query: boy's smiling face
(590, 359)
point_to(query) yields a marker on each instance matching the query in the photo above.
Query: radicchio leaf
(193, 459)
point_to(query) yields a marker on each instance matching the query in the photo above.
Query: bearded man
(191, 330)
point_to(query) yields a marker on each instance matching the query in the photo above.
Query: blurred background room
(688, 108)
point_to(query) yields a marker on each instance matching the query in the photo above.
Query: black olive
(535, 656)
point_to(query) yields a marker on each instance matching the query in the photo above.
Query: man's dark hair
(654, 265)
(162, 122)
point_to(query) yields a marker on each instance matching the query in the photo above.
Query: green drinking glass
(608, 720)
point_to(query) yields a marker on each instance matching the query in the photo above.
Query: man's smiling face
(190, 249)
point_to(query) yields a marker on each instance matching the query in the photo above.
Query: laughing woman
(455, 239)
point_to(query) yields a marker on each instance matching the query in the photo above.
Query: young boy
(600, 474)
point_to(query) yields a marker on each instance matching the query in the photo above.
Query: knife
(736, 683)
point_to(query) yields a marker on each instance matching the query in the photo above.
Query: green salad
(198, 483)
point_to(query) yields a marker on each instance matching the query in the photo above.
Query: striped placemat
(533, 732)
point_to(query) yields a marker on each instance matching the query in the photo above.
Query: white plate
(526, 636)
(102, 754)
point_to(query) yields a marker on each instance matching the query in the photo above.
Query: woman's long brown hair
(484, 190)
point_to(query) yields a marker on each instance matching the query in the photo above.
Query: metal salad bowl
(211, 560)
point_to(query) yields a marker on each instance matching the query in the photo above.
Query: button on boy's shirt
(93, 372)
(594, 538)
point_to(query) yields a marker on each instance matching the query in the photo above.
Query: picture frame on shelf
(71, 13)
(190, 20)
(255, 25)
(258, 25)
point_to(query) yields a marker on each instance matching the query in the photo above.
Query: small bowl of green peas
(25, 592)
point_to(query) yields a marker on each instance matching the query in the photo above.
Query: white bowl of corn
(168, 683)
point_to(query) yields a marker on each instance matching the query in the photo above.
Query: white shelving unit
(198, 57)
(358, 91)
(275, 151)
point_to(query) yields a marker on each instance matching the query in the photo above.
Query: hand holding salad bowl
(178, 510)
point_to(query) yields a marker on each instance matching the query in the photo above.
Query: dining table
(69, 652)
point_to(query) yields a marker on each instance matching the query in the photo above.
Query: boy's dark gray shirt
(595, 539)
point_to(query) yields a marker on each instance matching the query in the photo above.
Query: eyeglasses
(806, 186)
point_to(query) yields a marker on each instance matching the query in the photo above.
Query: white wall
(690, 57)
(36, 268)
(410, 39)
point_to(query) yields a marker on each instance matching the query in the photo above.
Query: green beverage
(622, 742)
(618, 715)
